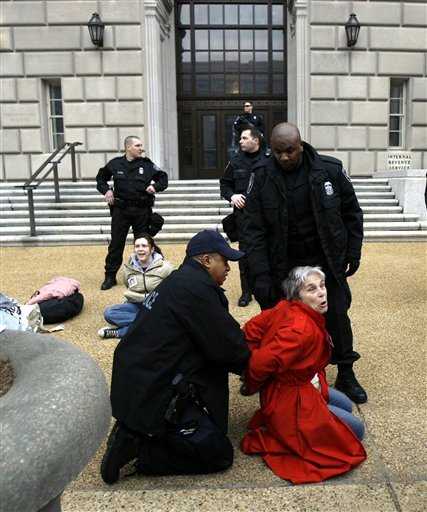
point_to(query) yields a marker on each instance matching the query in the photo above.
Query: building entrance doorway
(227, 53)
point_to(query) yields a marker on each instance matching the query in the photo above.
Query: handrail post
(31, 211)
(56, 182)
(73, 163)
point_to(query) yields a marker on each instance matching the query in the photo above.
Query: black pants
(121, 220)
(196, 446)
(338, 322)
(245, 281)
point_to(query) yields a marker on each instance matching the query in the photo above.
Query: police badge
(329, 190)
(141, 170)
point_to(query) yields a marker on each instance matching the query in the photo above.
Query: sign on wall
(399, 160)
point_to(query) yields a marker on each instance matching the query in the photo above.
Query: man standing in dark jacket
(136, 180)
(233, 185)
(302, 210)
(183, 334)
(247, 120)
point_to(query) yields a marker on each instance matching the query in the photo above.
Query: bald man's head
(286, 146)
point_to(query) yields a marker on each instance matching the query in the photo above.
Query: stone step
(160, 198)
(102, 212)
(182, 237)
(176, 228)
(67, 191)
(176, 219)
(167, 203)
(172, 183)
(92, 190)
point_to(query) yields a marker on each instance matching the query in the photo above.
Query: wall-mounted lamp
(352, 28)
(96, 29)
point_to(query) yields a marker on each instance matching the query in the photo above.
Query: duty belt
(124, 203)
(304, 248)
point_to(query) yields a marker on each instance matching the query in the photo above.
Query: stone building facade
(344, 99)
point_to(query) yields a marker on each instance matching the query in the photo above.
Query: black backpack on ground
(59, 310)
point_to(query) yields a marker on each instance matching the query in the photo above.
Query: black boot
(109, 282)
(347, 383)
(246, 296)
(122, 447)
(244, 299)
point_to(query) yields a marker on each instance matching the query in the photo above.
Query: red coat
(294, 431)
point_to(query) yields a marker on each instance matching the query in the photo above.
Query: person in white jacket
(144, 271)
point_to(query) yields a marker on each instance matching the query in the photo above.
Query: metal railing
(52, 163)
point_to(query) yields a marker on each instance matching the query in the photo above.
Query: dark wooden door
(206, 135)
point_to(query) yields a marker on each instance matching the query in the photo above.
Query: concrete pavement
(390, 325)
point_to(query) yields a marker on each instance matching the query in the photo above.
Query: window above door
(231, 49)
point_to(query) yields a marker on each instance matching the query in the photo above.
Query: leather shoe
(109, 282)
(349, 385)
(122, 447)
(244, 300)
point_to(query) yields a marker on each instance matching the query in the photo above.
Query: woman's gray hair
(296, 278)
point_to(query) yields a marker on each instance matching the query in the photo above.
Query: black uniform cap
(208, 241)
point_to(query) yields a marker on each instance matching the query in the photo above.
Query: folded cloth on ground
(58, 287)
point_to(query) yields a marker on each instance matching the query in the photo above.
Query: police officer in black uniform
(247, 120)
(136, 180)
(233, 185)
(303, 210)
(183, 334)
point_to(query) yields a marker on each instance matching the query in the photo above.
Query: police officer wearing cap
(169, 388)
(234, 185)
(302, 210)
(136, 179)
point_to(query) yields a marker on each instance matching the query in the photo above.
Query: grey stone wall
(349, 88)
(103, 96)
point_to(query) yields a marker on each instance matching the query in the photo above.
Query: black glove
(352, 266)
(264, 291)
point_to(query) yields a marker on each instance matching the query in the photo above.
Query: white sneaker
(108, 332)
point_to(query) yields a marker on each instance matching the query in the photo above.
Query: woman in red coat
(295, 430)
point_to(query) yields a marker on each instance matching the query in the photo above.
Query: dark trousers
(244, 275)
(338, 322)
(196, 446)
(245, 281)
(121, 220)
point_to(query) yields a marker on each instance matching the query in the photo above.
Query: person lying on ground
(144, 271)
(304, 430)
(169, 387)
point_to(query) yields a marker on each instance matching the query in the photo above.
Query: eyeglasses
(248, 105)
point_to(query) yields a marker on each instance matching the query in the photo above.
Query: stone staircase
(82, 216)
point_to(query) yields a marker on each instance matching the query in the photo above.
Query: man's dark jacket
(338, 217)
(183, 327)
(246, 120)
(235, 179)
(131, 179)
